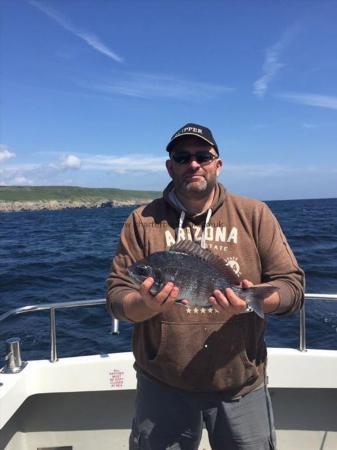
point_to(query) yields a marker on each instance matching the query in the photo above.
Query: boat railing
(52, 307)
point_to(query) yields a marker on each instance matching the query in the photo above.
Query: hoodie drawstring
(180, 227)
(203, 236)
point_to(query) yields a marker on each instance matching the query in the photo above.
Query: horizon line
(142, 190)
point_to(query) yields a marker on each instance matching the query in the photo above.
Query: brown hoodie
(198, 349)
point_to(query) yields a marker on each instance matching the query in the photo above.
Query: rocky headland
(53, 205)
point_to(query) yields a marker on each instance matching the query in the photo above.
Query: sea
(59, 256)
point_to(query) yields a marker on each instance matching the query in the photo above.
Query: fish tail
(254, 297)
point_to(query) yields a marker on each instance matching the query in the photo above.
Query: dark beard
(196, 190)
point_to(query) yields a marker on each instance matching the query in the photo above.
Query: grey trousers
(168, 419)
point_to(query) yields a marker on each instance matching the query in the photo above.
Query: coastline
(55, 205)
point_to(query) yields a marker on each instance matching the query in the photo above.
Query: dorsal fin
(194, 249)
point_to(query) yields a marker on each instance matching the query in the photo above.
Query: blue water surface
(56, 256)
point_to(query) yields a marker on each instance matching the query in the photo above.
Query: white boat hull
(86, 403)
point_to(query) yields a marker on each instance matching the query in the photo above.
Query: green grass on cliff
(71, 193)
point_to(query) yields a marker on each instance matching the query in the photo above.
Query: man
(200, 366)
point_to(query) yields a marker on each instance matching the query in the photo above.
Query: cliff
(38, 198)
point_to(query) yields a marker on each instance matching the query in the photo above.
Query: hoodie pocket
(203, 356)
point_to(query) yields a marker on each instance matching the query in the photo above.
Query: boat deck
(86, 403)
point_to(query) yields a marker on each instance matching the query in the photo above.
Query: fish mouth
(130, 271)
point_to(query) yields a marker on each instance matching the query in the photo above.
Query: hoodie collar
(171, 198)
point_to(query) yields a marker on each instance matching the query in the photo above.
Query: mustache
(190, 175)
(193, 172)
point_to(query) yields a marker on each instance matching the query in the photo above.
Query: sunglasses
(203, 157)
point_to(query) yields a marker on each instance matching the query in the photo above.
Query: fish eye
(144, 271)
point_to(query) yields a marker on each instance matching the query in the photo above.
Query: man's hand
(233, 304)
(229, 301)
(163, 299)
(142, 305)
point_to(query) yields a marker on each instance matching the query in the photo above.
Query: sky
(91, 92)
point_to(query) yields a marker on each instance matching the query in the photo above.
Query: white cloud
(6, 153)
(16, 175)
(140, 170)
(93, 165)
(95, 43)
(260, 170)
(144, 85)
(21, 181)
(276, 170)
(125, 164)
(270, 68)
(321, 101)
(15, 168)
(91, 39)
(71, 162)
(272, 64)
(308, 126)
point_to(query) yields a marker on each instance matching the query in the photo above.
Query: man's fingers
(236, 302)
(228, 301)
(172, 295)
(146, 285)
(164, 294)
(165, 297)
(220, 299)
(213, 301)
(245, 284)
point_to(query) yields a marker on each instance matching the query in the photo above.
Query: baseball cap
(193, 129)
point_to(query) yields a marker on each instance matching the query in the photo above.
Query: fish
(197, 272)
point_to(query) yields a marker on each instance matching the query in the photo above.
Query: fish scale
(194, 278)
(197, 272)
